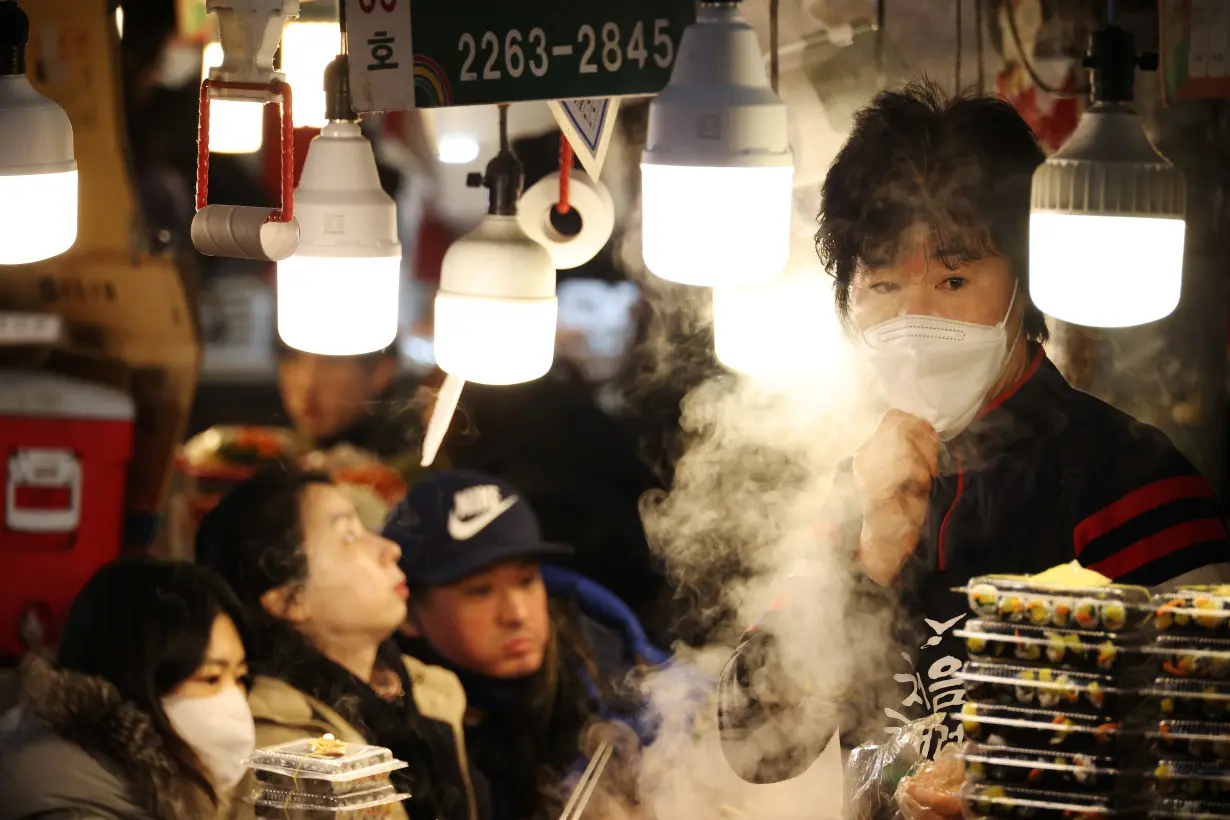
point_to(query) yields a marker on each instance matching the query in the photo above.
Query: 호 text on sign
(431, 53)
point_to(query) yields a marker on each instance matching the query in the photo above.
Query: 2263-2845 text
(593, 48)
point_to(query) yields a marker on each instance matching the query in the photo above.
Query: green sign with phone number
(474, 52)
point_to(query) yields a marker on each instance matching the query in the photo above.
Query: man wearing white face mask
(987, 460)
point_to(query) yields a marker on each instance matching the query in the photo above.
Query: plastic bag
(891, 781)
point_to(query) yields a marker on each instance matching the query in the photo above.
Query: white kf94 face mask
(219, 729)
(939, 370)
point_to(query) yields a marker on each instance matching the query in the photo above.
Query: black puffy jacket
(1045, 475)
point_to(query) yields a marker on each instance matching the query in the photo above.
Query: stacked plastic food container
(325, 779)
(1190, 701)
(1054, 686)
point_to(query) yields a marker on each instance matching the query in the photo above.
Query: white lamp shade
(1105, 271)
(307, 49)
(38, 175)
(493, 340)
(338, 295)
(338, 307)
(235, 126)
(1106, 226)
(717, 171)
(496, 309)
(716, 226)
(780, 330)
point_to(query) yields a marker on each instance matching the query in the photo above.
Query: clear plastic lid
(322, 757)
(1191, 810)
(1184, 656)
(1193, 740)
(1191, 780)
(1073, 648)
(983, 800)
(1202, 609)
(1041, 686)
(1037, 769)
(1016, 599)
(304, 801)
(1019, 727)
(344, 783)
(1179, 698)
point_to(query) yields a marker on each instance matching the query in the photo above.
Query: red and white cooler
(65, 445)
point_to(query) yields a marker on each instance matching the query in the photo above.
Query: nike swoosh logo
(465, 529)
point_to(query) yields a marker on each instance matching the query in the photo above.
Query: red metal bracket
(286, 137)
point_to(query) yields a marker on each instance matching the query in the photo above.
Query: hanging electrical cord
(774, 50)
(565, 173)
(957, 67)
(1029, 69)
(982, 84)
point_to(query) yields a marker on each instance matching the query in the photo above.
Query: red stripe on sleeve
(1148, 497)
(1159, 545)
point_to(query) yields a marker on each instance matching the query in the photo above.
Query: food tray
(1187, 780)
(304, 758)
(1060, 732)
(981, 800)
(1200, 609)
(1193, 740)
(1042, 687)
(1190, 810)
(345, 783)
(1072, 648)
(1015, 599)
(1038, 770)
(355, 801)
(1187, 657)
(1187, 699)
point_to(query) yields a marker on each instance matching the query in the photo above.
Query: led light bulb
(235, 126)
(338, 295)
(307, 49)
(717, 173)
(781, 330)
(496, 309)
(38, 168)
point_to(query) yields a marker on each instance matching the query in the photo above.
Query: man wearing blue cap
(538, 649)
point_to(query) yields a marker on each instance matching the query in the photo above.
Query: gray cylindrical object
(241, 232)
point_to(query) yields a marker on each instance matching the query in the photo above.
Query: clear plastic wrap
(1096, 651)
(322, 758)
(1039, 770)
(1017, 599)
(1062, 732)
(1190, 657)
(875, 770)
(1184, 699)
(1044, 687)
(1191, 780)
(1200, 609)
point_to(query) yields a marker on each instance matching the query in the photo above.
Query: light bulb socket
(1112, 62)
(504, 180)
(338, 103)
(14, 35)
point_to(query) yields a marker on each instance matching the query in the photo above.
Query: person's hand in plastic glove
(932, 792)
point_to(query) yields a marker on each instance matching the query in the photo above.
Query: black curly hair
(962, 165)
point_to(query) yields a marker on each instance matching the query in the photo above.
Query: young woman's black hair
(144, 625)
(962, 165)
(254, 539)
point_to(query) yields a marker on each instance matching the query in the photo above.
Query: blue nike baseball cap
(458, 522)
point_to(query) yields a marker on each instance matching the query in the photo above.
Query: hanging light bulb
(717, 172)
(38, 168)
(235, 126)
(307, 49)
(496, 308)
(338, 295)
(1106, 229)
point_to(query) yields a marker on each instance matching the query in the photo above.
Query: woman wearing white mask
(144, 715)
(987, 460)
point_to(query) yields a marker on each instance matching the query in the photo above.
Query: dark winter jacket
(1046, 474)
(74, 750)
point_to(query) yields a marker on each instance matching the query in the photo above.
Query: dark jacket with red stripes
(1045, 475)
